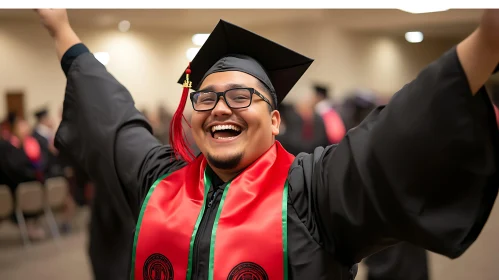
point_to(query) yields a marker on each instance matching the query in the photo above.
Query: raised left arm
(423, 169)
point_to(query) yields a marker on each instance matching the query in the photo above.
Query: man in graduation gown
(333, 123)
(357, 106)
(301, 130)
(50, 164)
(17, 165)
(422, 169)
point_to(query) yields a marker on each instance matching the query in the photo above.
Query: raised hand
(57, 23)
(490, 26)
(54, 20)
(479, 52)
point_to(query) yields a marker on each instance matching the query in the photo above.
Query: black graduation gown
(403, 261)
(15, 168)
(422, 169)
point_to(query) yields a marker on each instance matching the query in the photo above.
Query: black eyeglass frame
(222, 94)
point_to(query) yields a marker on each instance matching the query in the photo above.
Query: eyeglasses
(235, 98)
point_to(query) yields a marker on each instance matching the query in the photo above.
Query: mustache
(236, 120)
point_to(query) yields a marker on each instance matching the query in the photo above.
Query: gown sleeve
(105, 134)
(421, 169)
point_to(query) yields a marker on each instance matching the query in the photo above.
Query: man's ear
(275, 118)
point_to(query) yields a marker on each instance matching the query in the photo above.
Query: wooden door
(15, 103)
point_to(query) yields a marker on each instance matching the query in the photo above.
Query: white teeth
(224, 127)
(229, 138)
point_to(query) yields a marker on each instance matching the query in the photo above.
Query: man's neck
(225, 175)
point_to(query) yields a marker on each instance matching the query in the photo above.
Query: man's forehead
(228, 79)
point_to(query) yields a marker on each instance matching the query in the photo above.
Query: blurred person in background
(356, 107)
(302, 129)
(289, 131)
(159, 119)
(164, 118)
(311, 124)
(5, 132)
(333, 123)
(19, 162)
(44, 132)
(382, 185)
(51, 163)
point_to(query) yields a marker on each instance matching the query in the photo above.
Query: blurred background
(362, 57)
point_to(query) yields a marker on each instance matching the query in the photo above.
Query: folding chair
(6, 202)
(56, 192)
(29, 200)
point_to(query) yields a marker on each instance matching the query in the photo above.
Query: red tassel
(178, 140)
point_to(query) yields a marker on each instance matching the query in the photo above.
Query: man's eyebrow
(228, 86)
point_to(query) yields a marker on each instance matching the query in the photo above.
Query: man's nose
(221, 108)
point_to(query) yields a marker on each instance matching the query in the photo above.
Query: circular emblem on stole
(247, 271)
(157, 267)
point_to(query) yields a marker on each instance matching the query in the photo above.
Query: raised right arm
(101, 129)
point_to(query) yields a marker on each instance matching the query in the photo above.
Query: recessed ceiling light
(199, 39)
(422, 10)
(124, 25)
(414, 36)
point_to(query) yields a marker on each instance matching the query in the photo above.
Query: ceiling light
(422, 10)
(414, 37)
(191, 53)
(124, 25)
(199, 39)
(102, 57)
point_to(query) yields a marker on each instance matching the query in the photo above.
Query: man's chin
(225, 162)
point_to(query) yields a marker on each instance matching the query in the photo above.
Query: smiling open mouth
(225, 131)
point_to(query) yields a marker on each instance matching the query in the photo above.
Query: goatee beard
(226, 163)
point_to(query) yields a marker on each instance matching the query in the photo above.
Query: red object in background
(14, 141)
(335, 128)
(497, 115)
(5, 130)
(32, 149)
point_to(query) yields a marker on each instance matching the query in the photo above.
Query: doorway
(15, 103)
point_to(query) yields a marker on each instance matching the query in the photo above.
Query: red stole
(249, 236)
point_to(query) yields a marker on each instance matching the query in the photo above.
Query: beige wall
(149, 63)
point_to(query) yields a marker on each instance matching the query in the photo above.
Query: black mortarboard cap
(232, 48)
(321, 90)
(41, 113)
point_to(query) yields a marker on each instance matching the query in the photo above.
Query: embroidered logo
(157, 267)
(247, 271)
